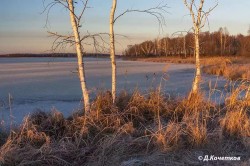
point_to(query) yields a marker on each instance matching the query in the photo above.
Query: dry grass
(233, 68)
(236, 123)
(143, 129)
(168, 60)
(231, 71)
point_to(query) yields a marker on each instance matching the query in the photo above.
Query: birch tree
(199, 19)
(75, 39)
(166, 46)
(154, 11)
(221, 41)
(226, 34)
(112, 49)
(79, 52)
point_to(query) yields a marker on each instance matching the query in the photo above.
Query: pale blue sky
(22, 24)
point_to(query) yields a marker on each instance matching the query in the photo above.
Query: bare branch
(190, 7)
(154, 11)
(204, 16)
(49, 6)
(60, 40)
(83, 10)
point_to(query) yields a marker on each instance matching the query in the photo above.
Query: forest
(181, 44)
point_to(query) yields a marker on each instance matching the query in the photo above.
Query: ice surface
(45, 83)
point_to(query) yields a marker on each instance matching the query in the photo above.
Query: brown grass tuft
(232, 69)
(236, 124)
(169, 138)
(195, 127)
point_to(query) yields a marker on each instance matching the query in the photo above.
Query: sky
(23, 27)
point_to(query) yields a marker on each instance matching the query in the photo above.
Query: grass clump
(231, 68)
(236, 124)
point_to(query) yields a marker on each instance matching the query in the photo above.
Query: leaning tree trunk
(79, 51)
(195, 87)
(112, 49)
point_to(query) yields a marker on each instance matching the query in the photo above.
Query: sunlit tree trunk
(136, 53)
(199, 18)
(112, 49)
(184, 46)
(221, 41)
(226, 34)
(196, 82)
(156, 42)
(79, 52)
(165, 47)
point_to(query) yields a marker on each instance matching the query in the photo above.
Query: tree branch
(154, 11)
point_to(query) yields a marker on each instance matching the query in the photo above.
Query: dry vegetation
(232, 68)
(141, 129)
(166, 60)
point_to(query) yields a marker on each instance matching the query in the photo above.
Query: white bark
(225, 39)
(221, 41)
(156, 46)
(166, 47)
(197, 25)
(184, 46)
(136, 54)
(196, 82)
(112, 49)
(79, 51)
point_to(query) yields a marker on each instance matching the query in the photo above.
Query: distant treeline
(52, 55)
(211, 44)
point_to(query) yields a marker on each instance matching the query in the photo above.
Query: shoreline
(232, 68)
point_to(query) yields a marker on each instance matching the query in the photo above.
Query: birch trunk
(197, 25)
(185, 50)
(165, 47)
(221, 42)
(156, 47)
(225, 42)
(196, 82)
(112, 49)
(79, 52)
(136, 54)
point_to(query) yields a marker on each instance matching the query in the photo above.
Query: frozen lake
(47, 83)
